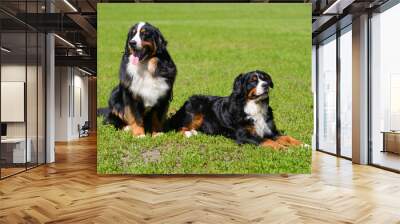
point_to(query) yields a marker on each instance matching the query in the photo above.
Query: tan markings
(252, 93)
(137, 127)
(147, 43)
(154, 48)
(272, 144)
(282, 140)
(287, 140)
(196, 122)
(151, 45)
(118, 114)
(251, 129)
(156, 124)
(152, 65)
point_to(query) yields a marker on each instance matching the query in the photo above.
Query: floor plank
(70, 191)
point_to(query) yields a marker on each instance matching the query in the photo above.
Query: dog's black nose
(265, 85)
(132, 43)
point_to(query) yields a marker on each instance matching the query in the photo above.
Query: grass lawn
(211, 44)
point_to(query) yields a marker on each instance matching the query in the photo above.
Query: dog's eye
(264, 78)
(253, 79)
(144, 32)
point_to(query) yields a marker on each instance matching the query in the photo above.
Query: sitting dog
(244, 116)
(147, 74)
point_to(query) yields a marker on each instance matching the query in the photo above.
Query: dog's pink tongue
(134, 60)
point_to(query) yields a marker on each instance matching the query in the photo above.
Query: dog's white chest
(256, 112)
(145, 85)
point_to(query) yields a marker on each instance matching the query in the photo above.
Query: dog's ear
(160, 41)
(127, 44)
(128, 38)
(238, 85)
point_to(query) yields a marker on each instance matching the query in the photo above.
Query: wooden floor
(387, 159)
(69, 191)
(11, 170)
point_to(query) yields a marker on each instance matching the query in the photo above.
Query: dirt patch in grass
(151, 156)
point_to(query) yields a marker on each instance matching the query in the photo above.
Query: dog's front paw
(288, 141)
(134, 133)
(272, 144)
(127, 128)
(156, 134)
(189, 133)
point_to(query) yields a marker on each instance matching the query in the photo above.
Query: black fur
(225, 115)
(122, 97)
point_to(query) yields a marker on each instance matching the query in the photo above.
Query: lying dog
(147, 74)
(244, 116)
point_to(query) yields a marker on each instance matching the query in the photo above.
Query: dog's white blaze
(145, 85)
(256, 110)
(137, 35)
(259, 88)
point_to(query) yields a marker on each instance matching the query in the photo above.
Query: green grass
(211, 44)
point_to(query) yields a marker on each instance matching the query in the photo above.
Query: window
(22, 107)
(327, 95)
(385, 89)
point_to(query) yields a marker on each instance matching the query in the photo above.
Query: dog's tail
(105, 111)
(110, 118)
(184, 116)
(176, 121)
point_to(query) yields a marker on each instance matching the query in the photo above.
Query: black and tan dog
(147, 74)
(244, 116)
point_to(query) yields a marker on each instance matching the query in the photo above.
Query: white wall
(80, 93)
(62, 81)
(70, 83)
